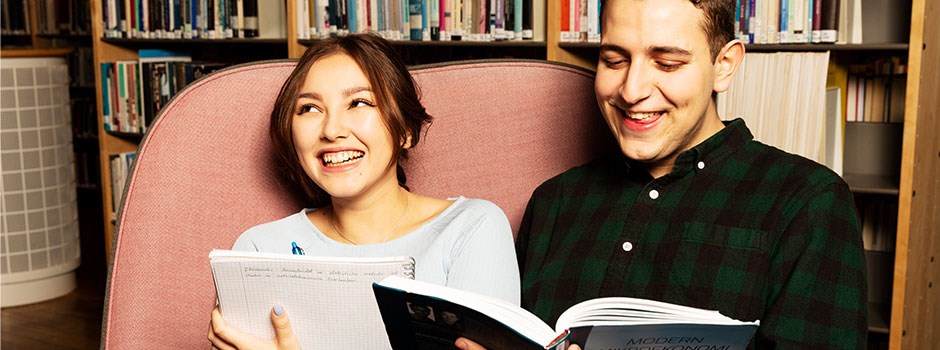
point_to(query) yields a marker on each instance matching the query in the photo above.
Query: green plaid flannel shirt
(737, 226)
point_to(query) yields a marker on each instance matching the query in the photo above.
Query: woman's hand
(226, 337)
(467, 344)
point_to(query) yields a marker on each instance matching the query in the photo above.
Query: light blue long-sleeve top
(469, 246)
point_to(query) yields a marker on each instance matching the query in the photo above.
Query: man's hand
(467, 344)
(226, 337)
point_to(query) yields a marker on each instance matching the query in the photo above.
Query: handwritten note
(329, 300)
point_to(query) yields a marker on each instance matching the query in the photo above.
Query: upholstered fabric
(204, 174)
(503, 127)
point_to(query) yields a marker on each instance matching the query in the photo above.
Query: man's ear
(726, 64)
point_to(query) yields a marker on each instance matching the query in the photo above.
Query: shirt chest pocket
(728, 267)
(726, 236)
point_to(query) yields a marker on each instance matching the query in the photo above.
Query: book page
(330, 302)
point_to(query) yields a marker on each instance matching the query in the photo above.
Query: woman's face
(338, 131)
(449, 317)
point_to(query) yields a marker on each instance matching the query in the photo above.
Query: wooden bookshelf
(915, 305)
(914, 321)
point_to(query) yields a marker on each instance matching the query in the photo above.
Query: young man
(692, 210)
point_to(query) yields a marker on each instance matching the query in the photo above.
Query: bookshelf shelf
(85, 36)
(486, 44)
(872, 184)
(899, 47)
(173, 42)
(130, 136)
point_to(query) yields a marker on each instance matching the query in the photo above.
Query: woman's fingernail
(278, 309)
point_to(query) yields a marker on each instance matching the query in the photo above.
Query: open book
(420, 315)
(329, 300)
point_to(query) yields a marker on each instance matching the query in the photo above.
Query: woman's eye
(361, 103)
(307, 109)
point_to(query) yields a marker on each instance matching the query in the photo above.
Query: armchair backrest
(203, 174)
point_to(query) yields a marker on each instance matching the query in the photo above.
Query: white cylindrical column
(39, 248)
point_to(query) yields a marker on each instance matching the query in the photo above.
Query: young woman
(341, 126)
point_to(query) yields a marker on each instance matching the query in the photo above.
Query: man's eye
(615, 63)
(668, 66)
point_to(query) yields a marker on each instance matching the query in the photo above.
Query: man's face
(655, 77)
(420, 311)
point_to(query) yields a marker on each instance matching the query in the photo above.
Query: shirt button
(654, 194)
(701, 165)
(627, 246)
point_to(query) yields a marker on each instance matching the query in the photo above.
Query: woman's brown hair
(397, 98)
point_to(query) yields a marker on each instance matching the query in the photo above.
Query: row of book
(14, 17)
(82, 67)
(53, 17)
(875, 91)
(85, 139)
(778, 21)
(134, 91)
(423, 20)
(193, 19)
(120, 171)
(800, 102)
(63, 17)
(879, 224)
(782, 98)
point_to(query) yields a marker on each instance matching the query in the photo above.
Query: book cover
(329, 300)
(420, 315)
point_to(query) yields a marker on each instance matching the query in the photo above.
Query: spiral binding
(409, 268)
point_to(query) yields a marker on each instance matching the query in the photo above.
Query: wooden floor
(72, 321)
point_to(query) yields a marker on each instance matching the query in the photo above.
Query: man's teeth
(341, 157)
(641, 116)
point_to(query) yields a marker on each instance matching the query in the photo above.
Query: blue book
(381, 20)
(105, 96)
(351, 14)
(154, 55)
(425, 7)
(421, 315)
(193, 17)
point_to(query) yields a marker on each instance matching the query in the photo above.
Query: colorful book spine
(414, 18)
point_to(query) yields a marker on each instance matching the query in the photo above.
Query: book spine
(829, 21)
(527, 33)
(414, 18)
(434, 22)
(105, 96)
(251, 18)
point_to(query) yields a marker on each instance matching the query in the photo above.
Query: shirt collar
(722, 144)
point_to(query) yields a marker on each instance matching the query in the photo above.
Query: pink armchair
(203, 175)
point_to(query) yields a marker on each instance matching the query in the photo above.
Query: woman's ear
(726, 64)
(407, 143)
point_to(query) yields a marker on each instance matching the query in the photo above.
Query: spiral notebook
(329, 300)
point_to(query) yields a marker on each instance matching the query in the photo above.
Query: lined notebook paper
(329, 300)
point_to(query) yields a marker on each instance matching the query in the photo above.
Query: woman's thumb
(283, 333)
